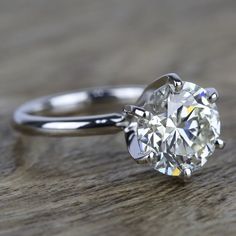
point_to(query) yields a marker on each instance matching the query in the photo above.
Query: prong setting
(172, 79)
(146, 158)
(187, 173)
(220, 144)
(212, 95)
(162, 105)
(175, 82)
(136, 111)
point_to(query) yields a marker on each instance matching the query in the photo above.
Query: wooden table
(90, 186)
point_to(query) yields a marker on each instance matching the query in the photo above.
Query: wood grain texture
(90, 186)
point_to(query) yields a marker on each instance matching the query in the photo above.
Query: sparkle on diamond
(181, 129)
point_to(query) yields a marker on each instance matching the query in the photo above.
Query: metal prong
(175, 82)
(146, 158)
(172, 79)
(187, 173)
(220, 144)
(136, 111)
(212, 95)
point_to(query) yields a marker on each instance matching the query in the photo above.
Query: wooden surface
(90, 186)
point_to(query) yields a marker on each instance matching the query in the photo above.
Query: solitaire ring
(172, 125)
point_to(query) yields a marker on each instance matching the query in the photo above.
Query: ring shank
(52, 115)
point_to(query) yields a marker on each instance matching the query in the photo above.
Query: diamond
(180, 129)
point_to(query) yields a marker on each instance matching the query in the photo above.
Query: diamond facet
(180, 128)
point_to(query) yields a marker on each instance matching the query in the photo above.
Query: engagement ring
(172, 125)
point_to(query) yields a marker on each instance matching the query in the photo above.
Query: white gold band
(54, 115)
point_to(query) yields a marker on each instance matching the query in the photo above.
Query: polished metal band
(72, 114)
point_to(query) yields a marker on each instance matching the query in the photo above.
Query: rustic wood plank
(90, 186)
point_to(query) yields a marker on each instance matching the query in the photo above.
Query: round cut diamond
(179, 129)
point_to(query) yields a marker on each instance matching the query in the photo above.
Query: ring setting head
(175, 126)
